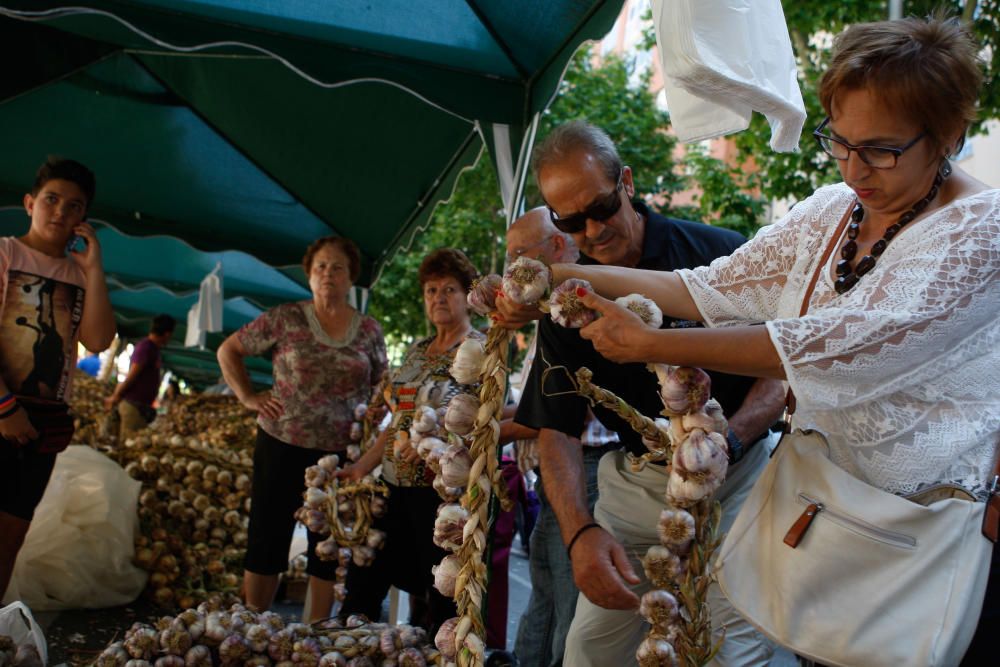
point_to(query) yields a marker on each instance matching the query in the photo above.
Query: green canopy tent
(256, 126)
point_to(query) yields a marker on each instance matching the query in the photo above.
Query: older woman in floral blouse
(327, 358)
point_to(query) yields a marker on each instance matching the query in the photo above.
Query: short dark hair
(67, 170)
(926, 69)
(345, 245)
(162, 324)
(448, 262)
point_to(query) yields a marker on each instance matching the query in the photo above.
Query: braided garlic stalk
(694, 443)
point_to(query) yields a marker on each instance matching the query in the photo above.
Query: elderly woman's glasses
(877, 157)
(600, 211)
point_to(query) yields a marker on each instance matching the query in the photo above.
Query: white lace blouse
(901, 373)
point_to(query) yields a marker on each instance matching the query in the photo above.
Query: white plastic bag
(78, 551)
(721, 60)
(17, 623)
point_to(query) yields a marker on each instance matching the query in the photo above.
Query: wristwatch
(735, 447)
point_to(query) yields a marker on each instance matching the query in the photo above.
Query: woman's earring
(945, 168)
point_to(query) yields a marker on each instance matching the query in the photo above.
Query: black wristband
(10, 412)
(736, 450)
(584, 528)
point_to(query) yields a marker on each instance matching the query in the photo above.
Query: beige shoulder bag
(846, 574)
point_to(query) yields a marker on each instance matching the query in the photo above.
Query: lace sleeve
(919, 322)
(765, 276)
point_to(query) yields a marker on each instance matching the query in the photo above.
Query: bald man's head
(533, 235)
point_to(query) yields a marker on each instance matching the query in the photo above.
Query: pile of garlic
(211, 635)
(88, 409)
(195, 501)
(15, 655)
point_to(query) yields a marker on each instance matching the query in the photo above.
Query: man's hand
(512, 315)
(17, 428)
(111, 401)
(90, 257)
(601, 570)
(617, 332)
(265, 404)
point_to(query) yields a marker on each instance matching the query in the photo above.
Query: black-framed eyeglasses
(876, 157)
(600, 211)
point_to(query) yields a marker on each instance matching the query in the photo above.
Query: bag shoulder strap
(991, 518)
(789, 396)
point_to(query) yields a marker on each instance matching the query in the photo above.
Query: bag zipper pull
(801, 525)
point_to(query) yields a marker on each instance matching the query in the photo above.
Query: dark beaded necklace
(848, 278)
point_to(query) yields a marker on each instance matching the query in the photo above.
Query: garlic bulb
(683, 492)
(424, 420)
(460, 418)
(661, 566)
(659, 608)
(565, 306)
(702, 457)
(469, 360)
(175, 640)
(455, 464)
(445, 575)
(198, 656)
(327, 549)
(683, 389)
(429, 444)
(710, 419)
(655, 652)
(646, 309)
(677, 530)
(315, 498)
(526, 281)
(357, 431)
(329, 462)
(444, 640)
(482, 297)
(448, 526)
(447, 493)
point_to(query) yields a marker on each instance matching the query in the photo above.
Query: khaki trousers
(131, 421)
(629, 507)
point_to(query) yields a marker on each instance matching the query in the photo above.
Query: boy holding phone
(48, 302)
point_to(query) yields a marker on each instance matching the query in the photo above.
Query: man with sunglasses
(589, 195)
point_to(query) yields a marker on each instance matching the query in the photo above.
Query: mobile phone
(76, 243)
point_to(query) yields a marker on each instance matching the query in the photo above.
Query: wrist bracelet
(8, 413)
(6, 402)
(736, 449)
(584, 528)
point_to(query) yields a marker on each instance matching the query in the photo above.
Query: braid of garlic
(484, 481)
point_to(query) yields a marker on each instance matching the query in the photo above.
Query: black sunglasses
(877, 157)
(600, 211)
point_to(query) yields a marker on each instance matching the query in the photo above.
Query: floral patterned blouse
(420, 380)
(317, 379)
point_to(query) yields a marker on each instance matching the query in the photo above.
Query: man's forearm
(761, 407)
(564, 478)
(511, 430)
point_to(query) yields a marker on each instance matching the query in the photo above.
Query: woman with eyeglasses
(896, 358)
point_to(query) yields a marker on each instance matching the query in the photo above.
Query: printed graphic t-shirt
(41, 304)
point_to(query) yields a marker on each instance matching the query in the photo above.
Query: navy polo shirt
(668, 244)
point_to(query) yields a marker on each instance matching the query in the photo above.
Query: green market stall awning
(259, 125)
